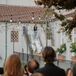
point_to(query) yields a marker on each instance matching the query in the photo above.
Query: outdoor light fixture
(11, 19)
(32, 15)
(19, 21)
(39, 18)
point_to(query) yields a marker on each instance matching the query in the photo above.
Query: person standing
(31, 66)
(13, 66)
(50, 69)
(74, 69)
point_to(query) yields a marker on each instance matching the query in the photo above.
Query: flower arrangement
(62, 49)
(73, 48)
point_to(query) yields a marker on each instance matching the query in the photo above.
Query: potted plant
(73, 50)
(60, 51)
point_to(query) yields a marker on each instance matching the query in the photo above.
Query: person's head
(32, 65)
(12, 66)
(69, 72)
(49, 54)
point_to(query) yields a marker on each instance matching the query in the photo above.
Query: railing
(63, 64)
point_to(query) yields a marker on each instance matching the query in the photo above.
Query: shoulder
(61, 71)
(37, 74)
(40, 70)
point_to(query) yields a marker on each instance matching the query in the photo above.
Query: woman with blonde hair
(13, 66)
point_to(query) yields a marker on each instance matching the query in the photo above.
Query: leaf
(73, 47)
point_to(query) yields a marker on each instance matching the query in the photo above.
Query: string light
(11, 19)
(39, 18)
(32, 15)
(19, 20)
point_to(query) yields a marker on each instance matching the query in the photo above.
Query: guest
(49, 69)
(74, 69)
(31, 66)
(69, 72)
(12, 66)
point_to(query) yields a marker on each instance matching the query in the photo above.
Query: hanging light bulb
(19, 21)
(32, 18)
(32, 15)
(39, 18)
(11, 19)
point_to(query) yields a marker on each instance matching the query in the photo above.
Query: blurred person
(1, 70)
(13, 66)
(69, 72)
(31, 66)
(74, 69)
(50, 69)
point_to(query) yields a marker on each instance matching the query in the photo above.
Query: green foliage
(62, 49)
(73, 47)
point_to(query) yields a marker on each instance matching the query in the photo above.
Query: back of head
(13, 66)
(48, 54)
(69, 72)
(33, 65)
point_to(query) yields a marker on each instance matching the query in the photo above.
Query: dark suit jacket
(51, 70)
(1, 70)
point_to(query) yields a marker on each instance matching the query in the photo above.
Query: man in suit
(50, 69)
